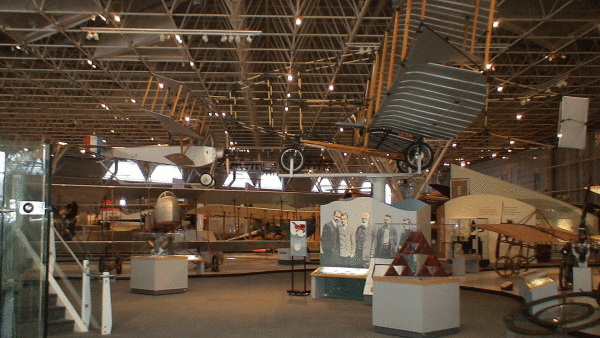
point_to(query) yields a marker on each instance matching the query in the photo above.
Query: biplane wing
(173, 126)
(428, 99)
(252, 212)
(531, 233)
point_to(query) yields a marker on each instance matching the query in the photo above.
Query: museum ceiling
(73, 68)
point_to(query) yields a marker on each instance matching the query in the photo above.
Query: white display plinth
(159, 275)
(538, 288)
(416, 307)
(582, 279)
(464, 264)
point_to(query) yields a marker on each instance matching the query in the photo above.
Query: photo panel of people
(355, 230)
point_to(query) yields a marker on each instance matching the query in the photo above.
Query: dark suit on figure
(330, 240)
(389, 249)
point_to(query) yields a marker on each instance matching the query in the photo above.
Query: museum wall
(560, 173)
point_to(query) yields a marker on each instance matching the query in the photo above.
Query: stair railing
(82, 318)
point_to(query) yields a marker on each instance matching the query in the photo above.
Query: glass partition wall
(24, 193)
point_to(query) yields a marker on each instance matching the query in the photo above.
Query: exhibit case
(338, 282)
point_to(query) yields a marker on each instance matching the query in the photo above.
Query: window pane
(128, 171)
(165, 174)
(270, 182)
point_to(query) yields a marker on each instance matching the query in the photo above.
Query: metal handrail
(68, 248)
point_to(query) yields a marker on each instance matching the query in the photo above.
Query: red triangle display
(424, 272)
(391, 271)
(416, 243)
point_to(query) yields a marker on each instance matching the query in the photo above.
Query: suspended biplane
(438, 87)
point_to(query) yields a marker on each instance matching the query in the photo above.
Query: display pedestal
(332, 282)
(159, 275)
(582, 279)
(538, 286)
(464, 264)
(416, 307)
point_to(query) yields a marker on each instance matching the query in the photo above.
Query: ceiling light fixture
(290, 77)
(331, 87)
(500, 88)
(289, 95)
(559, 135)
(496, 23)
(237, 39)
(117, 18)
(205, 38)
(161, 85)
(192, 63)
(161, 38)
(230, 39)
(224, 38)
(178, 37)
(286, 108)
(488, 66)
(96, 36)
(90, 62)
(511, 141)
(102, 17)
(249, 39)
(89, 36)
(298, 21)
(133, 101)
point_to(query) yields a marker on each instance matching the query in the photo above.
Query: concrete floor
(227, 304)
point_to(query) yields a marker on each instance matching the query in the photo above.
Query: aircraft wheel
(416, 149)
(519, 263)
(402, 166)
(504, 266)
(207, 180)
(287, 154)
(103, 265)
(119, 265)
(214, 264)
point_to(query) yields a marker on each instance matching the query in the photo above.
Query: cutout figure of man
(363, 239)
(330, 237)
(387, 239)
(347, 240)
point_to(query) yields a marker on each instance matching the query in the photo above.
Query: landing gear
(418, 150)
(289, 154)
(402, 166)
(214, 266)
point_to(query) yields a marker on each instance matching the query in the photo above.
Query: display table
(416, 307)
(464, 264)
(159, 275)
(338, 282)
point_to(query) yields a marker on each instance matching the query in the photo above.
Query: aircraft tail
(91, 141)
